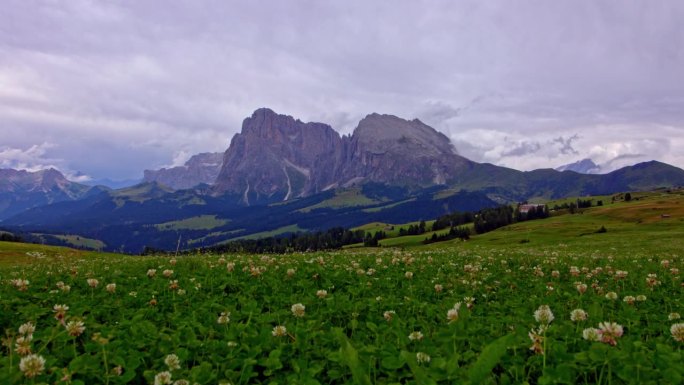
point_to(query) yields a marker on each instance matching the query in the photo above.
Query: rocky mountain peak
(378, 132)
(200, 168)
(276, 157)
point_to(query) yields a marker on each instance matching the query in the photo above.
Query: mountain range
(281, 175)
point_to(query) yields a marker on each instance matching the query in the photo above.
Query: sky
(106, 89)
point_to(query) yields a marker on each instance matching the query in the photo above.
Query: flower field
(441, 316)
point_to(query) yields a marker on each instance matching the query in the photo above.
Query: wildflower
(27, 329)
(469, 301)
(321, 293)
(610, 332)
(23, 345)
(388, 315)
(408, 275)
(537, 338)
(75, 328)
(574, 271)
(279, 331)
(172, 361)
(422, 358)
(677, 331)
(111, 287)
(32, 365)
(591, 334)
(611, 295)
(416, 336)
(163, 378)
(151, 273)
(173, 284)
(60, 311)
(117, 370)
(629, 300)
(298, 310)
(581, 288)
(652, 280)
(674, 271)
(555, 274)
(543, 315)
(230, 266)
(183, 382)
(578, 315)
(167, 273)
(641, 298)
(92, 282)
(224, 318)
(665, 263)
(439, 288)
(133, 294)
(173, 261)
(153, 302)
(20, 284)
(452, 314)
(673, 316)
(620, 274)
(290, 273)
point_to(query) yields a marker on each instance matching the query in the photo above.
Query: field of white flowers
(386, 317)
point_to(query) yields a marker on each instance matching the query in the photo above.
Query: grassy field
(346, 198)
(539, 302)
(202, 222)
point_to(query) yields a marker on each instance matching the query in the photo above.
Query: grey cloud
(523, 148)
(566, 144)
(153, 79)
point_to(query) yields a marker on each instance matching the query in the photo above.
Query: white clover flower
(641, 298)
(27, 329)
(611, 295)
(543, 315)
(32, 365)
(279, 331)
(172, 361)
(224, 318)
(408, 275)
(416, 336)
(92, 282)
(388, 315)
(578, 315)
(677, 331)
(151, 272)
(167, 273)
(591, 334)
(422, 358)
(628, 299)
(75, 328)
(298, 310)
(111, 287)
(673, 316)
(162, 378)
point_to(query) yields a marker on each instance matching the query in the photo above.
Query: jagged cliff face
(391, 150)
(276, 157)
(201, 168)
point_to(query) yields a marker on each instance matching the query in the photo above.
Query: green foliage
(347, 333)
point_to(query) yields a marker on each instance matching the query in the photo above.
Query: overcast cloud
(110, 88)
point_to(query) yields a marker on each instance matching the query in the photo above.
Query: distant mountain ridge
(584, 166)
(21, 190)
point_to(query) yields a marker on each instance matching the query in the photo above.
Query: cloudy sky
(109, 88)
